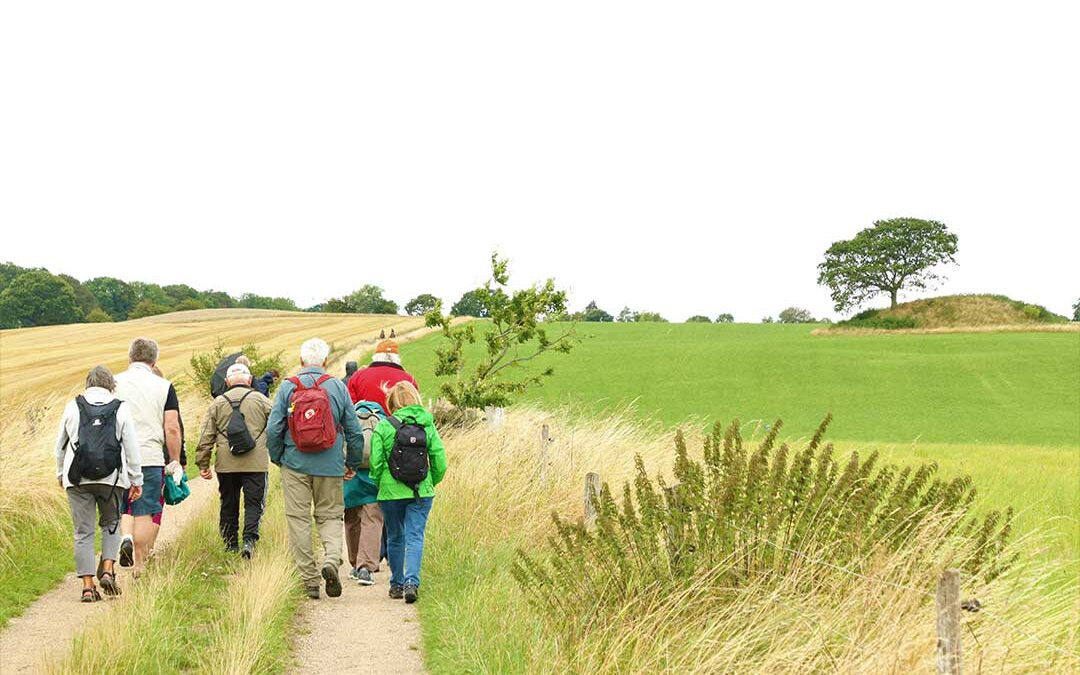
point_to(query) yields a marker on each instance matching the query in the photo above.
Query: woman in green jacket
(405, 510)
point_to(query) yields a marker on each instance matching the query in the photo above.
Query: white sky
(672, 156)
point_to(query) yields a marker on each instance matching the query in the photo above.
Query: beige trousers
(305, 495)
(363, 536)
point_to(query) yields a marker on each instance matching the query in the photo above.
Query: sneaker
(353, 574)
(249, 550)
(363, 577)
(411, 593)
(312, 592)
(396, 592)
(127, 552)
(333, 583)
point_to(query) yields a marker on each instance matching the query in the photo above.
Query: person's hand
(174, 469)
(349, 473)
(134, 493)
(207, 474)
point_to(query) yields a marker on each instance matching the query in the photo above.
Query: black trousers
(253, 485)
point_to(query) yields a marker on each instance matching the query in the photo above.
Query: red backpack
(311, 416)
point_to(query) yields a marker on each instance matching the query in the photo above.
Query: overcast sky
(672, 156)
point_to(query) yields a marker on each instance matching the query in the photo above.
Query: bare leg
(127, 525)
(145, 535)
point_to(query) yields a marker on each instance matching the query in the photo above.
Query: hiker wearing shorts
(314, 436)
(405, 507)
(96, 489)
(242, 461)
(156, 411)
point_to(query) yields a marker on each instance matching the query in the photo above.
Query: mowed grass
(982, 388)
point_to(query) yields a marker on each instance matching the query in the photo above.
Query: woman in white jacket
(96, 471)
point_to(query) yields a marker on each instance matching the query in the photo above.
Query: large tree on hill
(83, 296)
(38, 298)
(368, 299)
(891, 256)
(796, 315)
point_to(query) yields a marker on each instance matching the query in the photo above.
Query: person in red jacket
(371, 383)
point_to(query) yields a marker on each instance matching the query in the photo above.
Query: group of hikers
(360, 455)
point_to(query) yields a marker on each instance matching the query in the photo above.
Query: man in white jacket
(98, 497)
(156, 411)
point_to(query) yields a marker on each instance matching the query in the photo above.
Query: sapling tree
(514, 335)
(891, 256)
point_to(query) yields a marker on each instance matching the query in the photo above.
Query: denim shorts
(149, 503)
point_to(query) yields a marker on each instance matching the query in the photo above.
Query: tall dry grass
(814, 619)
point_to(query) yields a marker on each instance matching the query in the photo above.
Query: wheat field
(54, 359)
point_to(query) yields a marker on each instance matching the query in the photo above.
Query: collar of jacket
(385, 364)
(238, 386)
(98, 395)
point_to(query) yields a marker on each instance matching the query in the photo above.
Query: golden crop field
(54, 359)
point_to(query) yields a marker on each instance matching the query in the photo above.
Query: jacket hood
(416, 412)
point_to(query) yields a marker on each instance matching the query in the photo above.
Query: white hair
(314, 352)
(237, 373)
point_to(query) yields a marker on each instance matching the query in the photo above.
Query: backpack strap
(236, 404)
(297, 383)
(324, 378)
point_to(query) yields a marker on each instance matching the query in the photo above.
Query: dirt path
(53, 621)
(363, 631)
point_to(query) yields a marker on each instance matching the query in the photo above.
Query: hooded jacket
(382, 442)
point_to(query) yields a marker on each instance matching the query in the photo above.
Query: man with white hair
(236, 426)
(156, 410)
(314, 436)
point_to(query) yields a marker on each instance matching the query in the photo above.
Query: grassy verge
(35, 527)
(475, 617)
(198, 608)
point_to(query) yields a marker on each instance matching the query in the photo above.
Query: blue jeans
(405, 520)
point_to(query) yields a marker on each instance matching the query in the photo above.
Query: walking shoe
(411, 593)
(312, 592)
(363, 577)
(127, 552)
(333, 583)
(353, 573)
(249, 550)
(396, 592)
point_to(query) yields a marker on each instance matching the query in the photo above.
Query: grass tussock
(797, 617)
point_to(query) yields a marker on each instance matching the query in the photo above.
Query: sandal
(90, 595)
(108, 583)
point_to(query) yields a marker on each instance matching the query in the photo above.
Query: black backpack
(97, 450)
(408, 461)
(217, 380)
(240, 440)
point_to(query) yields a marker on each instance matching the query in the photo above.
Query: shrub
(725, 318)
(699, 318)
(745, 517)
(146, 308)
(98, 315)
(204, 364)
(881, 322)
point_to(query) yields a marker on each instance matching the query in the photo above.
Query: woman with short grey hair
(97, 462)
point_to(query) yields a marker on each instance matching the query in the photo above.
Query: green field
(975, 388)
(1002, 407)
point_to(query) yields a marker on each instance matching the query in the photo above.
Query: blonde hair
(400, 395)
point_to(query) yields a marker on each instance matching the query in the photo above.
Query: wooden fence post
(545, 441)
(949, 650)
(592, 494)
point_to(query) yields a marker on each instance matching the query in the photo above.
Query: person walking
(97, 463)
(372, 383)
(408, 460)
(314, 436)
(363, 519)
(155, 408)
(350, 370)
(236, 426)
